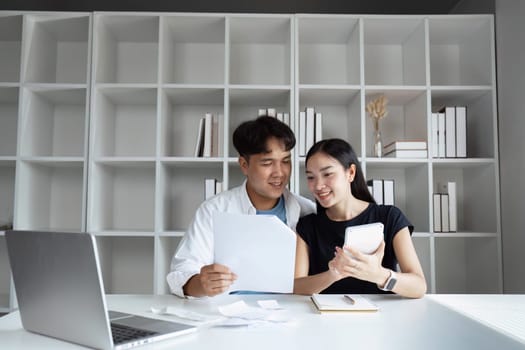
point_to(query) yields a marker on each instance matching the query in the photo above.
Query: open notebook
(342, 302)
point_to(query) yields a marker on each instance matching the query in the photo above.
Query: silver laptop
(60, 293)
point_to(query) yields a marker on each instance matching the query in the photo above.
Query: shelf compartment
(410, 189)
(126, 264)
(467, 265)
(7, 192)
(235, 175)
(303, 185)
(477, 209)
(394, 51)
(126, 48)
(481, 125)
(57, 49)
(50, 196)
(260, 50)
(406, 119)
(422, 246)
(193, 49)
(53, 122)
(182, 109)
(340, 109)
(165, 249)
(182, 191)
(244, 105)
(122, 197)
(328, 50)
(124, 122)
(5, 275)
(8, 120)
(10, 47)
(461, 50)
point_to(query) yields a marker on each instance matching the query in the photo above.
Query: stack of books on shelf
(211, 188)
(406, 149)
(382, 190)
(310, 129)
(209, 137)
(445, 208)
(282, 116)
(449, 132)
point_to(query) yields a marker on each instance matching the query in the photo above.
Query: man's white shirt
(196, 247)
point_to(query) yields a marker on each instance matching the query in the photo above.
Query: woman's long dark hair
(345, 154)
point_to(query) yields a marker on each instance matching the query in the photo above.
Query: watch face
(390, 284)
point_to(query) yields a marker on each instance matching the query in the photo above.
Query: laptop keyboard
(123, 334)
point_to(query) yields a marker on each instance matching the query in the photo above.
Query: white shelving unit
(45, 65)
(420, 63)
(99, 115)
(154, 77)
(10, 51)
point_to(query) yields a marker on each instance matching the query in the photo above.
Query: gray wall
(255, 6)
(510, 56)
(474, 6)
(510, 29)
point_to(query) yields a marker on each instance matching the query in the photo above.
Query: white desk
(505, 313)
(400, 324)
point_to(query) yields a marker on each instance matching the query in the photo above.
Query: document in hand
(259, 249)
(342, 302)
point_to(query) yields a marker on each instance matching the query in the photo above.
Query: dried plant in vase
(376, 110)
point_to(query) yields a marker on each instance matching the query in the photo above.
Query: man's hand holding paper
(216, 279)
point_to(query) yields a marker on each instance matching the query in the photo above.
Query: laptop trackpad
(151, 324)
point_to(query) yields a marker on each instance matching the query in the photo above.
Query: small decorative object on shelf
(6, 225)
(376, 109)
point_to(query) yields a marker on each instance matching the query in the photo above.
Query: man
(264, 147)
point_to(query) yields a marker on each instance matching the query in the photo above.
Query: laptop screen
(58, 286)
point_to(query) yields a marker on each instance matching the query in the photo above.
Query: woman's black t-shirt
(322, 235)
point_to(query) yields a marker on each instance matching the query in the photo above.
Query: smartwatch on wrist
(390, 282)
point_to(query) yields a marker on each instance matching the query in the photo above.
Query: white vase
(377, 146)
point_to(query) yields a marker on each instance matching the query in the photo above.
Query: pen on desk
(349, 299)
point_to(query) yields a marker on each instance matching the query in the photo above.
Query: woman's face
(328, 180)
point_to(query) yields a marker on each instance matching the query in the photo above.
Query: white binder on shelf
(450, 132)
(437, 212)
(445, 223)
(310, 128)
(302, 134)
(441, 135)
(449, 188)
(208, 135)
(318, 127)
(199, 144)
(435, 136)
(461, 131)
(388, 192)
(377, 189)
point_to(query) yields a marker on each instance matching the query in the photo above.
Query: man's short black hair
(251, 137)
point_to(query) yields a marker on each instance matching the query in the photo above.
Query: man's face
(267, 174)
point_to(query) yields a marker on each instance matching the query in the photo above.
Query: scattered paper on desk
(239, 311)
(185, 314)
(269, 304)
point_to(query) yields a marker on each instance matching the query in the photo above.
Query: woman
(335, 179)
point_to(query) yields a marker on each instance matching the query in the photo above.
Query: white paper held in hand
(365, 238)
(259, 249)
